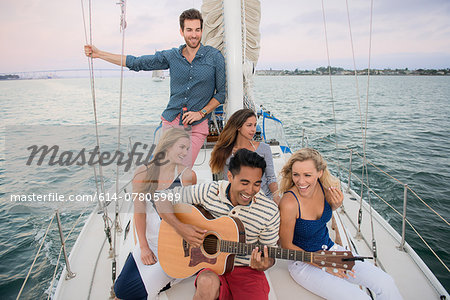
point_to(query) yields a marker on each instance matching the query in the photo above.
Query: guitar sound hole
(210, 244)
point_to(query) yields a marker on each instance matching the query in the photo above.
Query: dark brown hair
(190, 14)
(227, 138)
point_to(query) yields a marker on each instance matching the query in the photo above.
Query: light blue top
(191, 84)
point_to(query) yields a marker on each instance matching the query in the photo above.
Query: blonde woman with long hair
(310, 194)
(142, 277)
(237, 134)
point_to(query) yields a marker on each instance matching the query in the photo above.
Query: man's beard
(192, 44)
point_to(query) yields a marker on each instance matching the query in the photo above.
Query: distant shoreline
(341, 71)
(78, 73)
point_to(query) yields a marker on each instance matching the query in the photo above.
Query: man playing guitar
(238, 198)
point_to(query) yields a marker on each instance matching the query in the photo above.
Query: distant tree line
(9, 77)
(342, 71)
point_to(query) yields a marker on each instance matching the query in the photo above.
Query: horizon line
(267, 69)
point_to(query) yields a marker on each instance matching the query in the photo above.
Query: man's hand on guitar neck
(191, 234)
(261, 263)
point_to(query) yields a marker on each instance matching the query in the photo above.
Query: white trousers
(153, 276)
(332, 287)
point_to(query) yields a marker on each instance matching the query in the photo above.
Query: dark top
(311, 235)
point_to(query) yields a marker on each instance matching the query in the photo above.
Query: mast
(233, 58)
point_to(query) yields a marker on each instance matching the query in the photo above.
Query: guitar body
(179, 260)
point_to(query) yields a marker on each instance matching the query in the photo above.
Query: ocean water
(407, 137)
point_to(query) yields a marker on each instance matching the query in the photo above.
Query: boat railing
(406, 190)
(305, 140)
(63, 240)
(62, 250)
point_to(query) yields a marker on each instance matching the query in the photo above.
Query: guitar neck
(274, 252)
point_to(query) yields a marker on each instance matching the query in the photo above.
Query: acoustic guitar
(225, 238)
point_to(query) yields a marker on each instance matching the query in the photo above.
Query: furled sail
(214, 32)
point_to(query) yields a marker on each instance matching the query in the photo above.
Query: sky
(49, 34)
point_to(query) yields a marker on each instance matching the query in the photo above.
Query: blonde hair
(167, 140)
(304, 154)
(227, 138)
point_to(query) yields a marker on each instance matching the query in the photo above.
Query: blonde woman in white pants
(142, 276)
(310, 194)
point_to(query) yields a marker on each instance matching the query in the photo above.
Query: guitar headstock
(334, 259)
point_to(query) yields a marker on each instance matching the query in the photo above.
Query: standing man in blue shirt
(197, 78)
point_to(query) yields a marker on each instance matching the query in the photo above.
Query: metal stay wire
(91, 75)
(364, 166)
(61, 248)
(374, 249)
(359, 108)
(331, 88)
(123, 26)
(364, 129)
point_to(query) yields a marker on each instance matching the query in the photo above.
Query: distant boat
(158, 75)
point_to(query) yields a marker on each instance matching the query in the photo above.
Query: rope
(95, 270)
(92, 81)
(415, 194)
(434, 253)
(407, 221)
(35, 258)
(413, 228)
(331, 85)
(55, 271)
(123, 25)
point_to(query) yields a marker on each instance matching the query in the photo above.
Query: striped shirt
(261, 217)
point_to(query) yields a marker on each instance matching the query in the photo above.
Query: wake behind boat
(93, 264)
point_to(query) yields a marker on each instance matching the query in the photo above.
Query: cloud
(49, 34)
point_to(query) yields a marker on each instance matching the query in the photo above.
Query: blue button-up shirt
(191, 84)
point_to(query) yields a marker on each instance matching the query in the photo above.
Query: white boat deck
(91, 261)
(408, 271)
